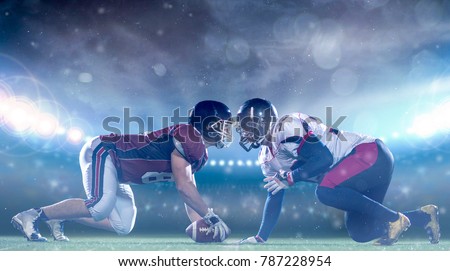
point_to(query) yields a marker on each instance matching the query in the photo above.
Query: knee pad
(123, 220)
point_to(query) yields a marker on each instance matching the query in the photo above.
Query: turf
(181, 243)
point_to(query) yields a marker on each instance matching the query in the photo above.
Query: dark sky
(97, 57)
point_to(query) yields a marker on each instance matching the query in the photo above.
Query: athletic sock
(418, 218)
(42, 215)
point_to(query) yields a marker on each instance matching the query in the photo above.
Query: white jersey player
(352, 172)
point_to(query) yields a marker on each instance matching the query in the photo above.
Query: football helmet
(254, 121)
(213, 120)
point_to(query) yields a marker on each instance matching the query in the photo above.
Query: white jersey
(282, 152)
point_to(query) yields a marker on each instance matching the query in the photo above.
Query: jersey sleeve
(188, 142)
(271, 213)
(298, 140)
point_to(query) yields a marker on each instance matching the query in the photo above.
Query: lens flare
(75, 135)
(19, 115)
(46, 125)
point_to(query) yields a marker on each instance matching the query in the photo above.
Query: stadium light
(19, 114)
(431, 123)
(46, 125)
(75, 135)
(213, 163)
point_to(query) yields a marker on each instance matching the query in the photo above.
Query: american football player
(352, 172)
(111, 163)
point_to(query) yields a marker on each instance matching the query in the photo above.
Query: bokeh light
(19, 115)
(75, 135)
(46, 125)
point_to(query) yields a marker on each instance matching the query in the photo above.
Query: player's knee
(360, 238)
(99, 214)
(324, 194)
(124, 228)
(102, 209)
(123, 221)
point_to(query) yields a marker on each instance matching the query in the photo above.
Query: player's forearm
(193, 215)
(271, 213)
(192, 198)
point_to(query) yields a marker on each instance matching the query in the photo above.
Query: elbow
(328, 161)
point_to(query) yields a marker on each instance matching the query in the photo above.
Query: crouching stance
(352, 172)
(111, 163)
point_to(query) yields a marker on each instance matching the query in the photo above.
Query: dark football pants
(358, 185)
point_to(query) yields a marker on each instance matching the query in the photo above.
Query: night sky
(67, 66)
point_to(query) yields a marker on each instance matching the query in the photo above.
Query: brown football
(198, 231)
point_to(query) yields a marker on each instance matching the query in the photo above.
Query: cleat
(382, 242)
(395, 229)
(432, 227)
(26, 223)
(57, 229)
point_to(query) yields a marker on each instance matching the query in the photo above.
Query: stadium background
(67, 67)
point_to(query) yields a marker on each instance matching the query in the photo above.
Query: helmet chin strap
(219, 144)
(247, 146)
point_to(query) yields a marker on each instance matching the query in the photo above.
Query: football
(197, 230)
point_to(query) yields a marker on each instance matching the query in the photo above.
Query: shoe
(432, 228)
(57, 229)
(26, 223)
(394, 230)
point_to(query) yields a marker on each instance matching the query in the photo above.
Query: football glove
(217, 226)
(252, 240)
(279, 181)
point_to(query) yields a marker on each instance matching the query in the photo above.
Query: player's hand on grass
(216, 225)
(252, 240)
(278, 182)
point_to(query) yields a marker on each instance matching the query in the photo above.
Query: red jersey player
(111, 163)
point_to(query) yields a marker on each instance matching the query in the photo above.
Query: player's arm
(271, 213)
(313, 158)
(185, 184)
(193, 215)
(184, 180)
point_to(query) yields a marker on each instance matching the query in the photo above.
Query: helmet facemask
(213, 120)
(255, 118)
(221, 133)
(252, 132)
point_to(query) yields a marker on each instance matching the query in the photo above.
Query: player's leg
(426, 217)
(90, 222)
(27, 221)
(363, 228)
(100, 183)
(123, 216)
(345, 186)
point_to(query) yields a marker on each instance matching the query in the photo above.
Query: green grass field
(182, 243)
